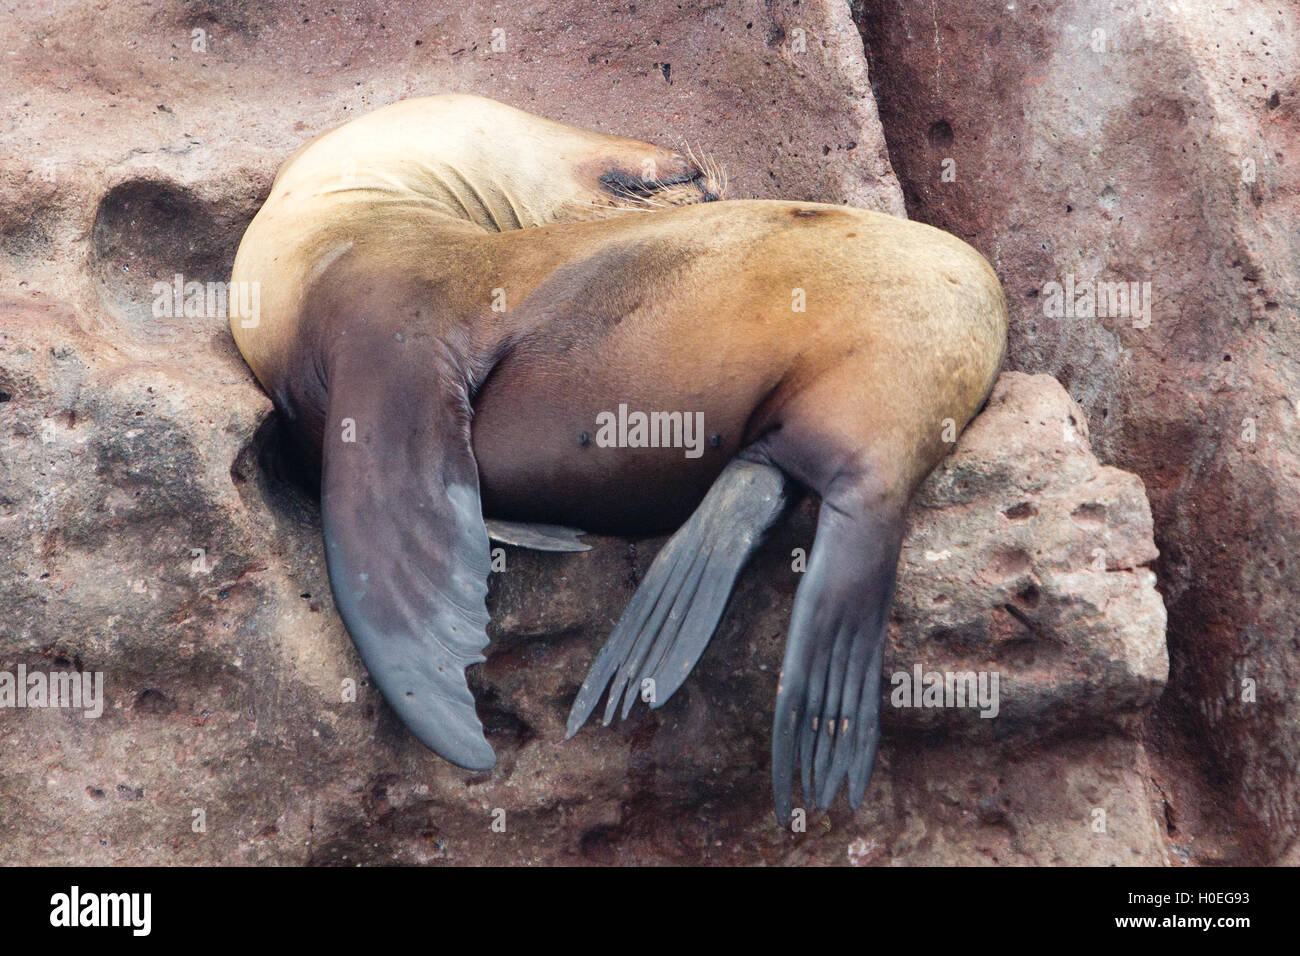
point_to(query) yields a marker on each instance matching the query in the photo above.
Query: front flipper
(670, 619)
(828, 697)
(537, 537)
(404, 538)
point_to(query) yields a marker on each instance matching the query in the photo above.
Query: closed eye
(628, 186)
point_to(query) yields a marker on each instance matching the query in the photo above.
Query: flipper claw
(828, 700)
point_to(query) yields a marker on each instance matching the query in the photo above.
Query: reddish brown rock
(1148, 143)
(149, 530)
(226, 678)
(1026, 557)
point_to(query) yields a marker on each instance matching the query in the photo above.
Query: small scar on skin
(807, 212)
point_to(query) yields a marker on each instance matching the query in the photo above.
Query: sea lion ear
(405, 541)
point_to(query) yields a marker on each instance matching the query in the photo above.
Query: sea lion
(459, 299)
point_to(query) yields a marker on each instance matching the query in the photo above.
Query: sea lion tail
(669, 621)
(828, 697)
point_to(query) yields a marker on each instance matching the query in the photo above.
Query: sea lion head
(479, 160)
(568, 174)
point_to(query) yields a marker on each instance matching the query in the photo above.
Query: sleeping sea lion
(467, 310)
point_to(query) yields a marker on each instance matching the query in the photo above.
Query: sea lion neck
(447, 188)
(461, 158)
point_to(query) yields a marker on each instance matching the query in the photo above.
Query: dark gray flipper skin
(405, 541)
(674, 612)
(536, 537)
(828, 698)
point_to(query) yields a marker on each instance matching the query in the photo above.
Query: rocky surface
(151, 531)
(1148, 143)
(226, 680)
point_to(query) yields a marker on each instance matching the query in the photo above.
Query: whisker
(603, 208)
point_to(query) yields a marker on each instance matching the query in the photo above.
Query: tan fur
(455, 293)
(686, 307)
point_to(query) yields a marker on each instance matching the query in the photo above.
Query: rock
(226, 674)
(152, 532)
(1026, 556)
(1148, 144)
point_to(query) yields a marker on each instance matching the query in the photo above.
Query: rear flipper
(670, 619)
(828, 698)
